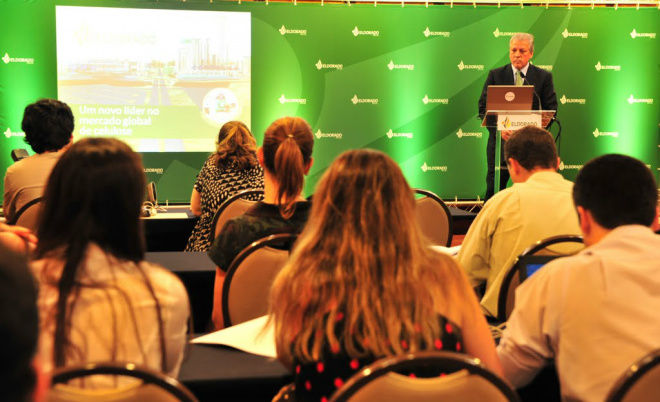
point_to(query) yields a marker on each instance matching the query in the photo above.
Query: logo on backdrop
(357, 100)
(566, 34)
(632, 100)
(285, 31)
(9, 133)
(283, 99)
(634, 34)
(598, 133)
(564, 100)
(428, 100)
(8, 59)
(547, 67)
(462, 66)
(428, 32)
(319, 134)
(606, 67)
(391, 134)
(460, 134)
(562, 166)
(357, 32)
(425, 168)
(153, 170)
(320, 65)
(393, 66)
(499, 33)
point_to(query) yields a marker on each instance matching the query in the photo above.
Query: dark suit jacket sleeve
(548, 95)
(482, 100)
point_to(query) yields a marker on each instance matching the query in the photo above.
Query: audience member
(232, 168)
(537, 206)
(286, 156)
(98, 299)
(362, 284)
(594, 313)
(48, 126)
(21, 378)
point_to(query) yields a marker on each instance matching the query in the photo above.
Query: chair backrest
(250, 276)
(461, 379)
(144, 385)
(640, 383)
(434, 218)
(539, 253)
(233, 206)
(28, 215)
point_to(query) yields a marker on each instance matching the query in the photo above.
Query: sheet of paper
(453, 251)
(248, 337)
(170, 215)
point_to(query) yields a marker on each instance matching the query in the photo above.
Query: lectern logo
(460, 134)
(320, 65)
(357, 32)
(393, 66)
(285, 31)
(605, 67)
(499, 33)
(283, 99)
(634, 34)
(425, 168)
(390, 134)
(319, 134)
(428, 100)
(507, 122)
(462, 66)
(357, 100)
(564, 100)
(9, 133)
(598, 133)
(632, 100)
(428, 32)
(25, 60)
(566, 34)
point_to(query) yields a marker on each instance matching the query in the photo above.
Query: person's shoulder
(540, 71)
(162, 276)
(499, 70)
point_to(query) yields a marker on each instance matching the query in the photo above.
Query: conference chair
(535, 256)
(28, 215)
(433, 218)
(234, 206)
(140, 384)
(462, 379)
(250, 276)
(640, 383)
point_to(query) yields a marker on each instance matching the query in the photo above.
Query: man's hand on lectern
(506, 134)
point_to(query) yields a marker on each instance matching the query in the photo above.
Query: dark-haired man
(48, 126)
(594, 313)
(537, 206)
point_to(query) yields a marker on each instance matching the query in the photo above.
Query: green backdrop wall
(404, 80)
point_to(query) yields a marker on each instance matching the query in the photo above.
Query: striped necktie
(519, 80)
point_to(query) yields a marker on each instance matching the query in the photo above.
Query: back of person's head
(48, 125)
(361, 256)
(532, 147)
(19, 327)
(236, 146)
(287, 151)
(94, 194)
(617, 190)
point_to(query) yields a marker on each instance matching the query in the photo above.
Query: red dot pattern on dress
(355, 364)
(338, 382)
(458, 346)
(335, 348)
(308, 385)
(324, 399)
(438, 344)
(340, 316)
(449, 328)
(319, 367)
(404, 344)
(418, 328)
(443, 374)
(412, 375)
(298, 369)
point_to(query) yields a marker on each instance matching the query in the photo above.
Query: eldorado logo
(427, 32)
(604, 67)
(547, 67)
(320, 65)
(357, 32)
(499, 33)
(425, 168)
(460, 134)
(285, 31)
(8, 133)
(8, 59)
(391, 134)
(634, 34)
(393, 66)
(428, 100)
(598, 133)
(357, 100)
(283, 99)
(153, 170)
(562, 166)
(632, 100)
(566, 34)
(319, 134)
(462, 66)
(564, 100)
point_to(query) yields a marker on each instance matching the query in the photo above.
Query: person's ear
(558, 163)
(308, 165)
(260, 156)
(585, 220)
(655, 225)
(42, 383)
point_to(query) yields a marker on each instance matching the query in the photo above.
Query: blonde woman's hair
(236, 146)
(361, 257)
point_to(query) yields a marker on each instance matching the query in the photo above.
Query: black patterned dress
(215, 184)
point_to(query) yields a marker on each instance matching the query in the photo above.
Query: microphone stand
(552, 120)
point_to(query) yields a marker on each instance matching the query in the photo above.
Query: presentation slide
(160, 80)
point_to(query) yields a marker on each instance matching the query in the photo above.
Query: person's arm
(17, 238)
(490, 80)
(473, 256)
(216, 315)
(196, 203)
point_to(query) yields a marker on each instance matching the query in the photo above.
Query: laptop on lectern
(509, 97)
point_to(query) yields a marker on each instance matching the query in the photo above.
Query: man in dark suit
(521, 50)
